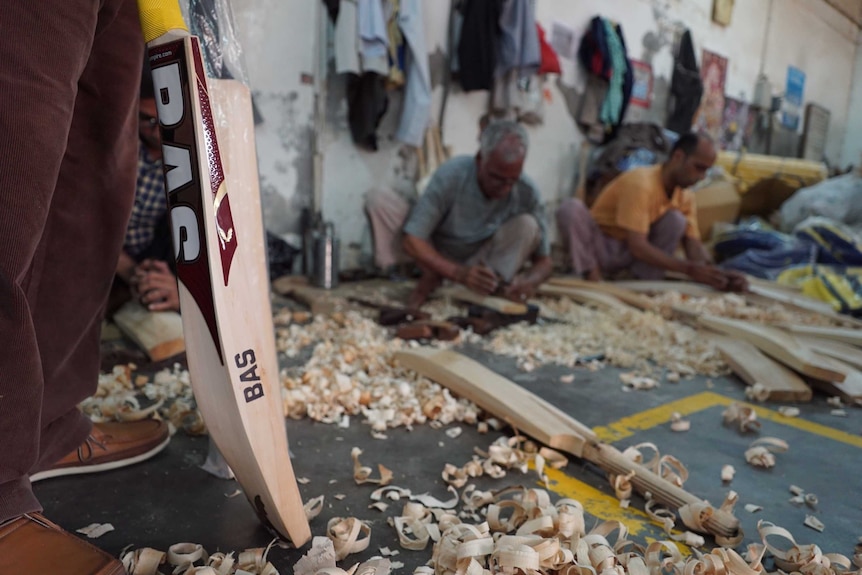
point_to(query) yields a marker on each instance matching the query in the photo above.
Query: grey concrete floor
(169, 499)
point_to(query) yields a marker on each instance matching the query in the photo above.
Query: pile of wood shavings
(118, 398)
(351, 372)
(628, 338)
(733, 306)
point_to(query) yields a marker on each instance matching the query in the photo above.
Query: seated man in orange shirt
(640, 219)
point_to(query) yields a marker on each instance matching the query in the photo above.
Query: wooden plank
(585, 296)
(319, 301)
(630, 297)
(158, 333)
(661, 286)
(499, 304)
(795, 300)
(849, 390)
(842, 334)
(755, 368)
(539, 419)
(836, 349)
(778, 344)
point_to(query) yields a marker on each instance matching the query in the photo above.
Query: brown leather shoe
(31, 544)
(111, 445)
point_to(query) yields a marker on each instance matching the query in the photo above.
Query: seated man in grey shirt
(478, 222)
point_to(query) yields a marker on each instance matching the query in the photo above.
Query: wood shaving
(192, 559)
(677, 423)
(95, 530)
(752, 508)
(119, 397)
(321, 556)
(233, 494)
(672, 377)
(454, 432)
(835, 401)
(348, 536)
(788, 411)
(814, 523)
(387, 552)
(632, 381)
(762, 451)
(627, 338)
(339, 496)
(666, 466)
(303, 480)
(838, 413)
(727, 473)
(796, 490)
(567, 378)
(351, 372)
(379, 506)
(313, 507)
(742, 415)
(362, 474)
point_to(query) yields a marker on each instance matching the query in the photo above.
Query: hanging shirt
(150, 205)
(373, 37)
(636, 199)
(416, 112)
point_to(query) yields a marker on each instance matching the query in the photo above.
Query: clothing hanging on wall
(686, 87)
(477, 47)
(610, 79)
(416, 110)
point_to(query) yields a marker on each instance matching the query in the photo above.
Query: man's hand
(520, 290)
(709, 275)
(737, 282)
(724, 280)
(479, 278)
(156, 286)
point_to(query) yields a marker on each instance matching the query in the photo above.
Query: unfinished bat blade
(223, 282)
(536, 417)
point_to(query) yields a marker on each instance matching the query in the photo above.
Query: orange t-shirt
(636, 199)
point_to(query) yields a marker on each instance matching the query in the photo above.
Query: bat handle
(609, 458)
(159, 17)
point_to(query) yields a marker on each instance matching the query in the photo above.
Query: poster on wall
(710, 115)
(791, 109)
(722, 11)
(734, 126)
(643, 84)
(563, 40)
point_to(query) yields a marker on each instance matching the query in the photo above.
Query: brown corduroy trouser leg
(69, 75)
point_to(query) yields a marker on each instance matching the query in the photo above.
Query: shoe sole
(107, 466)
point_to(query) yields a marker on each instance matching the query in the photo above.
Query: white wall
(279, 39)
(853, 140)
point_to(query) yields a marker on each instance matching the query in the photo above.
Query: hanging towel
(416, 112)
(477, 47)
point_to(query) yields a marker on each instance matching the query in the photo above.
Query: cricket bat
(218, 240)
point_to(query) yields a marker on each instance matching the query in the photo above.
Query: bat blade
(223, 282)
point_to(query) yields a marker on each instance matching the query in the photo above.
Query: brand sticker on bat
(248, 362)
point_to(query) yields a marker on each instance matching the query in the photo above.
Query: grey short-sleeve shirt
(456, 217)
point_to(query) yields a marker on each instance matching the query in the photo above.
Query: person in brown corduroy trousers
(69, 78)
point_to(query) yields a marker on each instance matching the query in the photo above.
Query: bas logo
(245, 360)
(178, 161)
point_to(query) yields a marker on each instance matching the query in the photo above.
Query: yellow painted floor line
(596, 503)
(628, 426)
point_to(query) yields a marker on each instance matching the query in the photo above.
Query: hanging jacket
(477, 47)
(518, 44)
(366, 104)
(593, 51)
(686, 87)
(416, 111)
